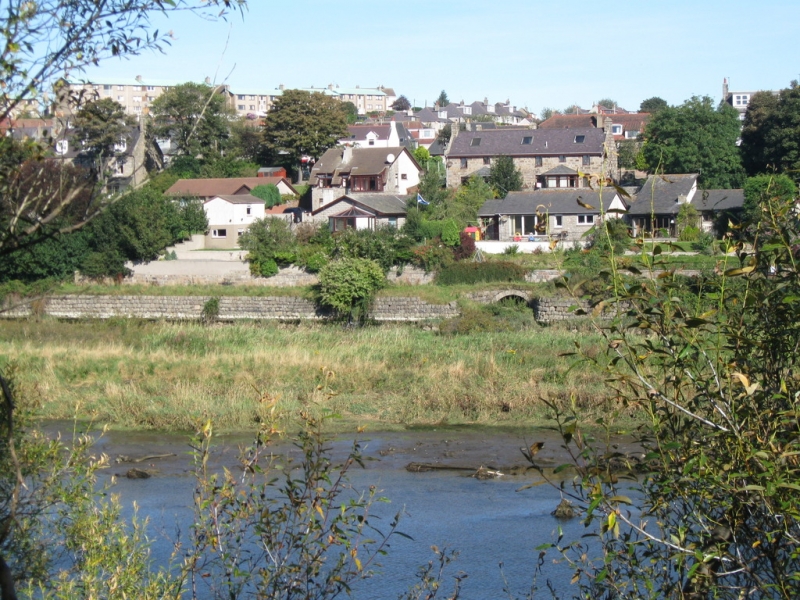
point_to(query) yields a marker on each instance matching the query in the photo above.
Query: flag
(421, 200)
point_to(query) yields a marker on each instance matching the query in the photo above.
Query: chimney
(208, 80)
(280, 87)
(139, 78)
(330, 86)
(725, 89)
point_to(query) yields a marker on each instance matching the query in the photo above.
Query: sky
(534, 53)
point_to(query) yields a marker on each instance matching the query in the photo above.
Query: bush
(433, 256)
(473, 320)
(704, 244)
(268, 193)
(480, 272)
(466, 249)
(611, 233)
(266, 267)
(348, 285)
(265, 240)
(689, 234)
(512, 250)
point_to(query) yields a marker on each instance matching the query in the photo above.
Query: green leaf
(621, 499)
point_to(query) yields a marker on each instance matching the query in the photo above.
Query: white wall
(222, 212)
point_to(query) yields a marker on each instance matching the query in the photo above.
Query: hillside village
(537, 183)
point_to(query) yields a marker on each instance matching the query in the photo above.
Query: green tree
(348, 285)
(351, 112)
(770, 132)
(195, 116)
(628, 152)
(761, 189)
(422, 156)
(607, 102)
(548, 112)
(445, 134)
(268, 241)
(302, 124)
(442, 100)
(102, 127)
(696, 138)
(269, 193)
(464, 203)
(653, 105)
(245, 140)
(504, 176)
(401, 103)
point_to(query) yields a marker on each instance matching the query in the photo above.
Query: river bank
(132, 374)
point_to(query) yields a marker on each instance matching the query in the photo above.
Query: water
(487, 522)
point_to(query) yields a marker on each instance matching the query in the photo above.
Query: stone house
(362, 211)
(206, 189)
(229, 216)
(546, 157)
(564, 214)
(351, 171)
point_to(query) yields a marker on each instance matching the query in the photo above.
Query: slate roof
(205, 188)
(717, 200)
(547, 142)
(660, 193)
(379, 204)
(428, 115)
(359, 132)
(553, 200)
(560, 170)
(365, 161)
(490, 208)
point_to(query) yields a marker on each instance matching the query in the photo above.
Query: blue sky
(533, 53)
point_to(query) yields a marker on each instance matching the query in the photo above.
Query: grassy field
(167, 376)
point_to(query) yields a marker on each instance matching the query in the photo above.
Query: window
(742, 100)
(240, 97)
(559, 221)
(526, 141)
(467, 110)
(537, 161)
(137, 109)
(219, 233)
(579, 139)
(106, 87)
(252, 107)
(463, 163)
(249, 210)
(487, 160)
(475, 142)
(120, 98)
(372, 142)
(404, 176)
(562, 158)
(616, 129)
(137, 98)
(251, 97)
(239, 232)
(586, 160)
(151, 88)
(585, 219)
(151, 98)
(392, 222)
(120, 87)
(631, 135)
(240, 107)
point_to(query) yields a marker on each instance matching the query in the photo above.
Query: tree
(195, 116)
(442, 100)
(652, 105)
(504, 176)
(696, 138)
(348, 285)
(268, 241)
(302, 124)
(245, 140)
(351, 112)
(714, 511)
(607, 103)
(548, 112)
(401, 103)
(445, 134)
(770, 132)
(422, 155)
(759, 190)
(269, 193)
(102, 126)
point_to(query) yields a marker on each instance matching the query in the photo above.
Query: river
(489, 522)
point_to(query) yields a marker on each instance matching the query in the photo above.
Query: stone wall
(551, 310)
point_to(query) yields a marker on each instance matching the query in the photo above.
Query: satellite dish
(390, 158)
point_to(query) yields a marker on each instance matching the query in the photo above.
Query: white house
(229, 217)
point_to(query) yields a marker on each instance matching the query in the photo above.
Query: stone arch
(520, 295)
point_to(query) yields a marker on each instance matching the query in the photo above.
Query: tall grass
(136, 374)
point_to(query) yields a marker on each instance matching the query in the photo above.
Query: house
(624, 125)
(209, 188)
(566, 214)
(717, 207)
(363, 211)
(387, 135)
(229, 216)
(349, 171)
(134, 156)
(546, 157)
(658, 202)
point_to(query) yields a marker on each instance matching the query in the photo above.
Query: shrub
(512, 250)
(268, 193)
(480, 272)
(466, 249)
(433, 256)
(265, 240)
(689, 234)
(611, 233)
(348, 285)
(266, 267)
(450, 233)
(210, 310)
(473, 320)
(704, 244)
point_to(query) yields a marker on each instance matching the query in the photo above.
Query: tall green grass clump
(483, 272)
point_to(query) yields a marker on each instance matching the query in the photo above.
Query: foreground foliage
(716, 512)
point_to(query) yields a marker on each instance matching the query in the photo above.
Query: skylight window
(526, 141)
(475, 142)
(579, 139)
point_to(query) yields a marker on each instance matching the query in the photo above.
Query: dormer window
(467, 110)
(475, 142)
(121, 146)
(616, 129)
(579, 139)
(62, 146)
(526, 141)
